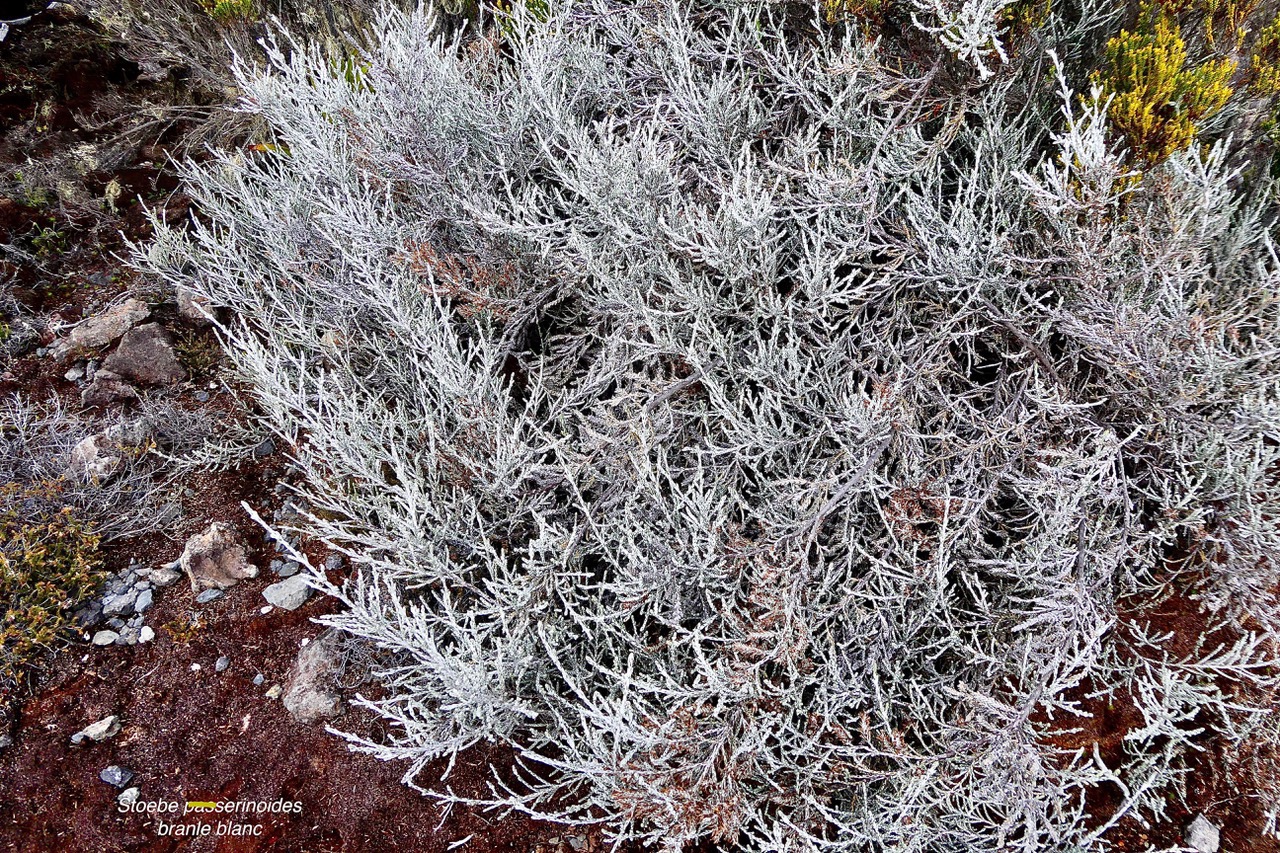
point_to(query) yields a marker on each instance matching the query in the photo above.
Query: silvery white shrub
(758, 459)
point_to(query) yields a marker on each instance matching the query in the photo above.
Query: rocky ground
(200, 674)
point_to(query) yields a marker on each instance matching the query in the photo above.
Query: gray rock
(116, 775)
(146, 356)
(310, 694)
(163, 576)
(258, 679)
(143, 602)
(94, 460)
(209, 595)
(192, 306)
(215, 558)
(75, 373)
(5, 741)
(133, 433)
(128, 797)
(274, 691)
(128, 636)
(107, 727)
(101, 329)
(221, 664)
(146, 634)
(105, 638)
(1202, 836)
(289, 568)
(201, 396)
(115, 623)
(105, 389)
(266, 448)
(288, 594)
(121, 604)
(333, 562)
(89, 615)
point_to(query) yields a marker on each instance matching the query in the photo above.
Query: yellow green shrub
(1224, 22)
(1157, 100)
(1264, 69)
(49, 563)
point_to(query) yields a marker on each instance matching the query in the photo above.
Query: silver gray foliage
(759, 461)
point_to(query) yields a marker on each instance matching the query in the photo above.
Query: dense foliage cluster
(773, 429)
(48, 565)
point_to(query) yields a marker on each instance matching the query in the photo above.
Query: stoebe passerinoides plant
(755, 462)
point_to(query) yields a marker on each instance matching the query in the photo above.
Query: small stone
(105, 389)
(128, 797)
(5, 741)
(116, 775)
(120, 605)
(130, 434)
(310, 695)
(143, 602)
(146, 634)
(222, 664)
(1202, 836)
(265, 609)
(201, 396)
(266, 448)
(192, 306)
(105, 728)
(274, 691)
(209, 595)
(146, 355)
(258, 679)
(215, 558)
(94, 460)
(88, 615)
(289, 569)
(276, 566)
(105, 638)
(128, 637)
(101, 329)
(163, 576)
(333, 562)
(289, 594)
(195, 667)
(115, 623)
(75, 373)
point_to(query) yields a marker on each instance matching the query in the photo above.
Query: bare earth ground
(193, 733)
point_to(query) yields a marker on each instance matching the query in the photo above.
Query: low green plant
(227, 11)
(198, 352)
(539, 10)
(49, 562)
(49, 242)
